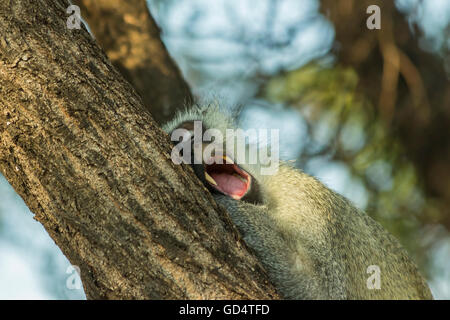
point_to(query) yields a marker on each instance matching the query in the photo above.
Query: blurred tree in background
(373, 103)
(366, 111)
(398, 97)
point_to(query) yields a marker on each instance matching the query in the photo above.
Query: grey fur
(312, 241)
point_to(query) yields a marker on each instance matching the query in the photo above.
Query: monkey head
(217, 169)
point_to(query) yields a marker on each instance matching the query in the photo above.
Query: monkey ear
(188, 125)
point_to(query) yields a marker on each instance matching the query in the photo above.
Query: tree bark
(131, 39)
(80, 148)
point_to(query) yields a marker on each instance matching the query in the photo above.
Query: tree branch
(79, 147)
(131, 39)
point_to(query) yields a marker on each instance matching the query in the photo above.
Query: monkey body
(316, 245)
(313, 242)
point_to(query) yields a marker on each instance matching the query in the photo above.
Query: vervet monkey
(313, 242)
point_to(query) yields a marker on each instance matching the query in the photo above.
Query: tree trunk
(80, 148)
(130, 38)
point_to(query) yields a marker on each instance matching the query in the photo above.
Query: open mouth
(227, 177)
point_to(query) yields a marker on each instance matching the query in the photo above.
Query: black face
(222, 176)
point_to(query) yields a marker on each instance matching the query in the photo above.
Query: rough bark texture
(131, 39)
(80, 148)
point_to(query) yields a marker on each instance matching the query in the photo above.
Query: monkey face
(219, 173)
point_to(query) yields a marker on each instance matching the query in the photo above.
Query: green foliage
(361, 141)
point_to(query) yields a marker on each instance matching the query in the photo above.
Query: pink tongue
(230, 184)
